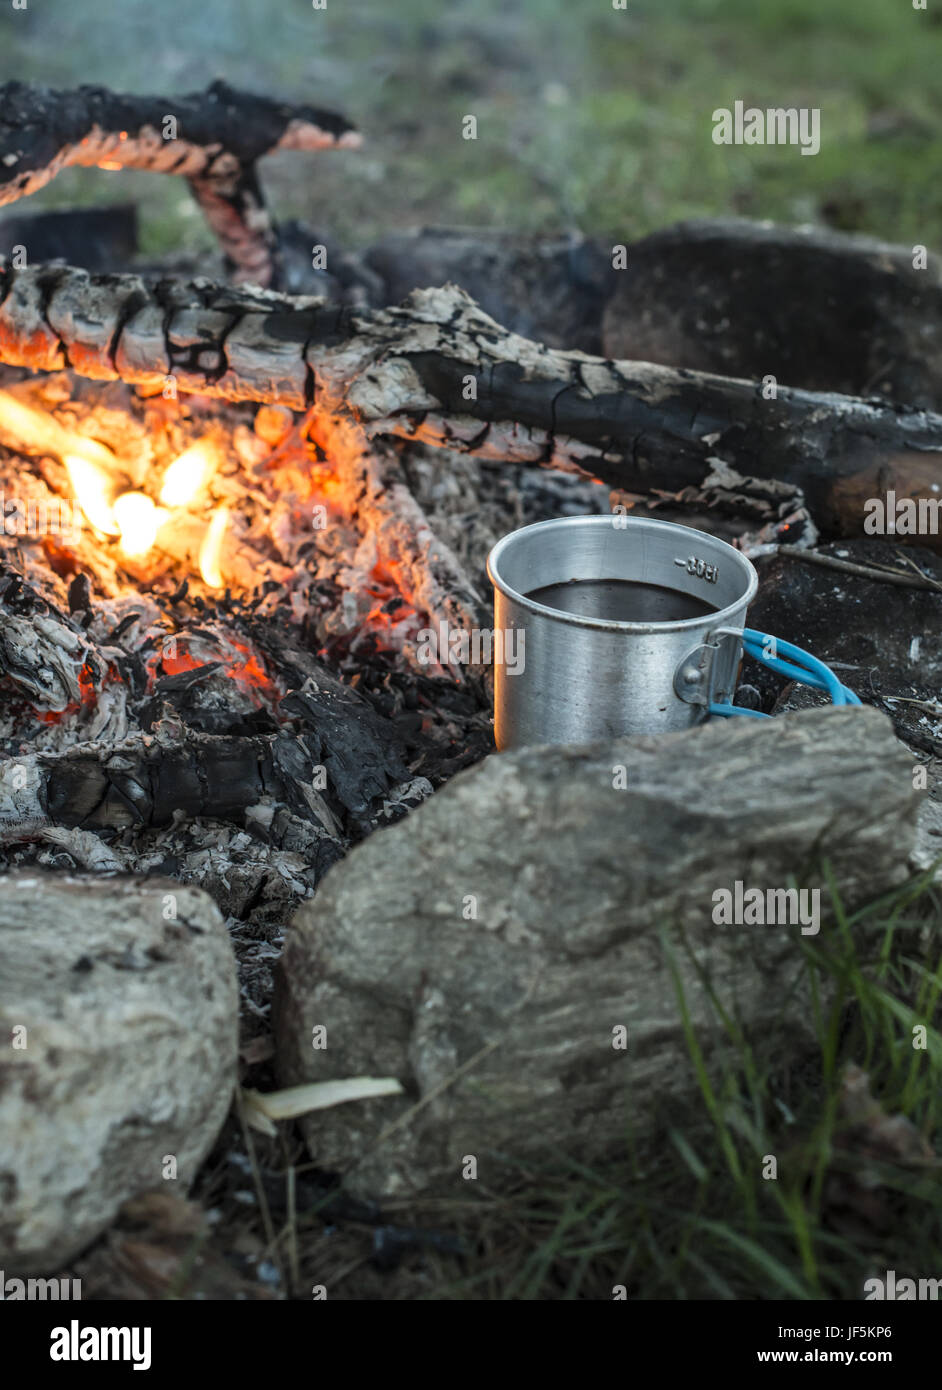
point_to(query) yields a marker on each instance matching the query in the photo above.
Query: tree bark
(439, 370)
(213, 139)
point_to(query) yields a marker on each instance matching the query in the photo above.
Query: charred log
(437, 369)
(213, 139)
(327, 737)
(812, 307)
(147, 780)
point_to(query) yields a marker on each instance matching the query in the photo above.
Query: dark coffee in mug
(621, 600)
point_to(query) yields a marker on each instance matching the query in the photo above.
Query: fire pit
(232, 516)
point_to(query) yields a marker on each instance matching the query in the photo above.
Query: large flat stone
(484, 950)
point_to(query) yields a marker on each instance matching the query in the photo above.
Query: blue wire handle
(800, 666)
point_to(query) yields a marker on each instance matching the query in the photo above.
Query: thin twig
(263, 1207)
(885, 576)
(292, 1220)
(908, 560)
(431, 1095)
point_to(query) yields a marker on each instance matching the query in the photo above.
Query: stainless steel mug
(579, 677)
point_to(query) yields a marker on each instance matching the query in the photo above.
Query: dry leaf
(261, 1110)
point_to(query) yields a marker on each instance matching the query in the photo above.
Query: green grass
(691, 1216)
(587, 117)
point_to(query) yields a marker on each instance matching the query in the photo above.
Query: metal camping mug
(579, 677)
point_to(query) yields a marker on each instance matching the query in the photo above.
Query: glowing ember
(32, 429)
(93, 490)
(211, 548)
(188, 475)
(138, 520)
(240, 661)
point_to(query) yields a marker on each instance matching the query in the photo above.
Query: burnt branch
(213, 139)
(439, 370)
(331, 740)
(146, 780)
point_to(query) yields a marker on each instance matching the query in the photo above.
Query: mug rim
(613, 624)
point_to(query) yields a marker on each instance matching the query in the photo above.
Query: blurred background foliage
(589, 117)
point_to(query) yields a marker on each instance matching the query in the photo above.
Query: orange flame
(188, 475)
(95, 474)
(211, 549)
(33, 430)
(138, 520)
(93, 489)
(240, 661)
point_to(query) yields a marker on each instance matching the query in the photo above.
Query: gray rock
(500, 1024)
(130, 1056)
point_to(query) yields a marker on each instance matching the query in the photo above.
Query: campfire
(207, 556)
(221, 548)
(232, 516)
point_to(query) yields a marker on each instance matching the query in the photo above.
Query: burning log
(439, 370)
(213, 139)
(427, 572)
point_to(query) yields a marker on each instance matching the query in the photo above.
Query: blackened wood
(439, 370)
(147, 779)
(51, 663)
(94, 238)
(552, 289)
(814, 308)
(212, 138)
